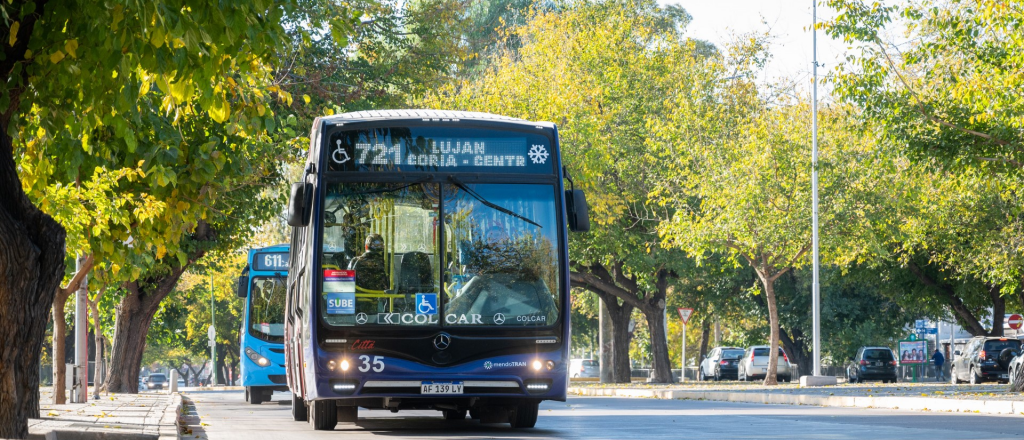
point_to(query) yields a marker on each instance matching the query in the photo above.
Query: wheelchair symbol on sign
(340, 155)
(424, 307)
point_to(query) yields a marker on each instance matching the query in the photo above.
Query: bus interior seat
(416, 275)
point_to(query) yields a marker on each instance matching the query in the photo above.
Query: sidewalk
(112, 417)
(928, 396)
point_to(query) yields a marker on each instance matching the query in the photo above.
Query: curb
(881, 402)
(225, 388)
(169, 421)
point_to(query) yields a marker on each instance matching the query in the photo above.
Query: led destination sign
(434, 149)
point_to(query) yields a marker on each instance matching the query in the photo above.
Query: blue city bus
(262, 284)
(429, 267)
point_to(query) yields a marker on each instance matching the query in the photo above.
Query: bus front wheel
(255, 395)
(323, 414)
(524, 416)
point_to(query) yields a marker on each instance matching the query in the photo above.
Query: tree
(742, 187)
(951, 93)
(75, 71)
(601, 70)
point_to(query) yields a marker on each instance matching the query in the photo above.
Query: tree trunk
(135, 313)
(31, 269)
(705, 333)
(60, 331)
(659, 343)
(998, 310)
(621, 369)
(773, 338)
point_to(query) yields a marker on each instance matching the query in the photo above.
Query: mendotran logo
(488, 365)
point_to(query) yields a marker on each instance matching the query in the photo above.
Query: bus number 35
(378, 364)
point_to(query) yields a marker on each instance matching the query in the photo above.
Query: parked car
(984, 359)
(156, 381)
(1014, 367)
(872, 363)
(181, 383)
(584, 368)
(754, 364)
(721, 362)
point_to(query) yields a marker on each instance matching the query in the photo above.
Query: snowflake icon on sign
(538, 154)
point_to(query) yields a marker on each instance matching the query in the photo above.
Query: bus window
(503, 255)
(266, 315)
(379, 258)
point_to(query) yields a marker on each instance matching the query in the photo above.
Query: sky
(789, 22)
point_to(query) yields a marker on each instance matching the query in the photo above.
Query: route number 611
(377, 364)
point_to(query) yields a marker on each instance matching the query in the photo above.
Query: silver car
(584, 368)
(754, 364)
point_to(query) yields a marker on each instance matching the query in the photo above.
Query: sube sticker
(340, 291)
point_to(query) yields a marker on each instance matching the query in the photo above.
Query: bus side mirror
(242, 287)
(579, 214)
(297, 209)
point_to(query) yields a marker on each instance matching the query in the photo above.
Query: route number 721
(377, 364)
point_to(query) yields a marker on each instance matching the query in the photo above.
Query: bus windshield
(266, 312)
(382, 255)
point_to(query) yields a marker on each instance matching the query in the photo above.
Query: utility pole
(815, 287)
(213, 337)
(79, 394)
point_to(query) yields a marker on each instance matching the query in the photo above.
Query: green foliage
(948, 88)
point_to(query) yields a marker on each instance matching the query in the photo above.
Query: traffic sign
(684, 314)
(1015, 321)
(921, 323)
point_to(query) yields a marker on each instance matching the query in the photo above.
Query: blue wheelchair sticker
(426, 303)
(341, 303)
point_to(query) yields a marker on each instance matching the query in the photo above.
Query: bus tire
(524, 416)
(324, 415)
(299, 411)
(255, 395)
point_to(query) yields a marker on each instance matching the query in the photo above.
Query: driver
(371, 273)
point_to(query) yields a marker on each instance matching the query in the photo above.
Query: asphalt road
(225, 415)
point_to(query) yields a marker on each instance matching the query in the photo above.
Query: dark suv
(984, 358)
(872, 363)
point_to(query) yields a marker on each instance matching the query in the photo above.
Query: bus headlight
(255, 357)
(537, 365)
(331, 364)
(551, 365)
(344, 364)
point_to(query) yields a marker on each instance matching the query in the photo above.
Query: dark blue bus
(429, 267)
(262, 284)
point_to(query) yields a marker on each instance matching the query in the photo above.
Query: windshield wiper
(488, 204)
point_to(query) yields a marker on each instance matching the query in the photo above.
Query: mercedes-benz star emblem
(499, 318)
(361, 318)
(442, 341)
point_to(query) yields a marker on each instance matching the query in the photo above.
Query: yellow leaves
(161, 250)
(56, 57)
(158, 37)
(71, 46)
(305, 98)
(14, 33)
(261, 109)
(220, 110)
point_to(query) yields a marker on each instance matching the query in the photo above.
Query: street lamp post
(213, 337)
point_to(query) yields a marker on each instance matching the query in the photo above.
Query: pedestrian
(939, 360)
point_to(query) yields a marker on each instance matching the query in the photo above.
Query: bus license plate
(441, 388)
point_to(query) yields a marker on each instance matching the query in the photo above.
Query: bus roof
(425, 114)
(273, 246)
